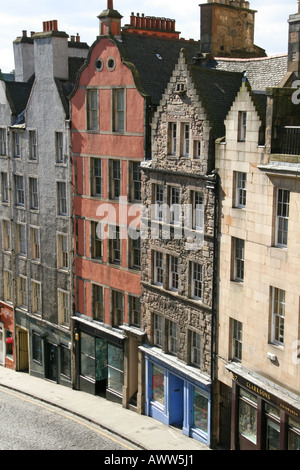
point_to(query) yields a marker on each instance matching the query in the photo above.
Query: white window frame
(282, 217)
(173, 273)
(33, 145)
(158, 268)
(278, 315)
(242, 126)
(62, 205)
(238, 259)
(240, 189)
(196, 280)
(119, 106)
(236, 340)
(92, 109)
(3, 141)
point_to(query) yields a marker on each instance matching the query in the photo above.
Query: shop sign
(266, 395)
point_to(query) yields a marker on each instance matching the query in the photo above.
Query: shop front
(99, 359)
(264, 415)
(7, 356)
(43, 349)
(177, 395)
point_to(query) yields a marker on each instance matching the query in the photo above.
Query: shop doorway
(51, 361)
(176, 401)
(23, 359)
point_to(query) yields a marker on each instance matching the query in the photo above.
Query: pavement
(144, 432)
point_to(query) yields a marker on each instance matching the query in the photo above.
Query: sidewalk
(143, 431)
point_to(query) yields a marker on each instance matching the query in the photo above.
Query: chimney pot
(24, 32)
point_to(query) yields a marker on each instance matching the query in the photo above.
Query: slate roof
(217, 90)
(17, 94)
(65, 87)
(154, 59)
(261, 72)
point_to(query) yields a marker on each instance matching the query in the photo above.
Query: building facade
(178, 248)
(258, 301)
(36, 224)
(112, 106)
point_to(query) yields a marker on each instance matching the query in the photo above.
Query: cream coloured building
(259, 284)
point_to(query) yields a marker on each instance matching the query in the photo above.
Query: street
(28, 424)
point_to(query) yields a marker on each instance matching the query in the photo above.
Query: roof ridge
(251, 59)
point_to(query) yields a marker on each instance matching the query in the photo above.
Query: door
(23, 351)
(176, 400)
(51, 364)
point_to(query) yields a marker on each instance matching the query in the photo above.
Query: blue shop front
(177, 394)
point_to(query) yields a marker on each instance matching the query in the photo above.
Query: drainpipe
(213, 185)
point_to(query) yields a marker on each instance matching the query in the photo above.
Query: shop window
(293, 434)
(248, 415)
(65, 361)
(200, 411)
(273, 428)
(9, 344)
(115, 369)
(36, 348)
(87, 356)
(158, 385)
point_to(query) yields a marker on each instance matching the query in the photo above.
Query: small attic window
(99, 65)
(180, 88)
(111, 64)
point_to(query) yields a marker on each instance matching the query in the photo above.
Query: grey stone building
(36, 217)
(178, 246)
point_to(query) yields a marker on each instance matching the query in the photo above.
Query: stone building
(178, 246)
(36, 251)
(258, 302)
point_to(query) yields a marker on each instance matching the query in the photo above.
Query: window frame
(280, 217)
(277, 315)
(92, 109)
(238, 246)
(119, 112)
(242, 126)
(240, 189)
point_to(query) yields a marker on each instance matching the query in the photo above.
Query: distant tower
(110, 21)
(227, 29)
